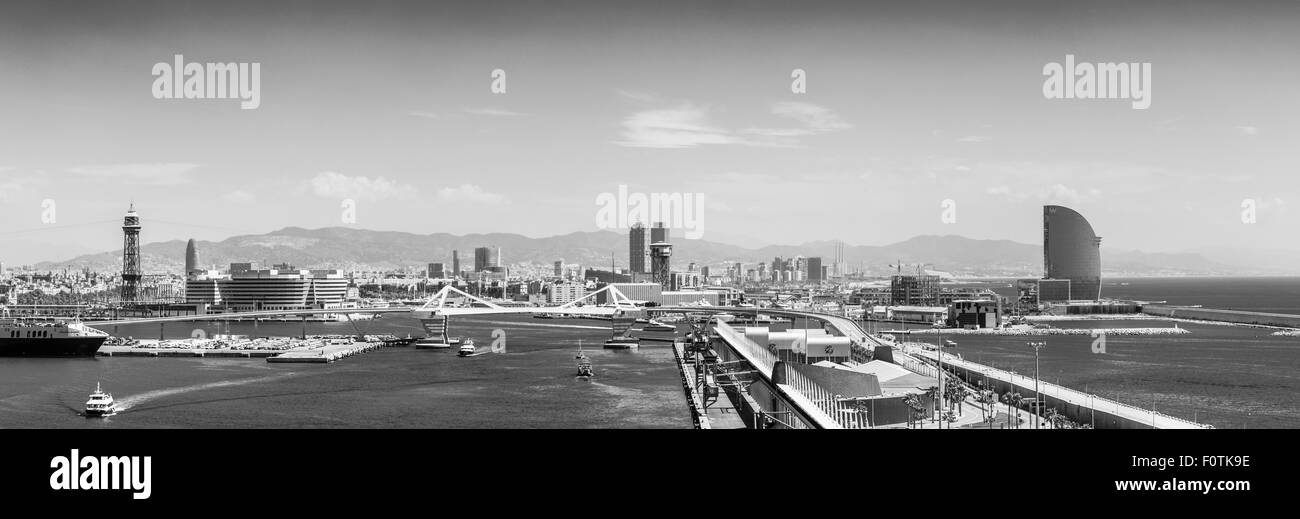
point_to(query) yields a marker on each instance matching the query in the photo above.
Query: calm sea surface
(1227, 376)
(531, 385)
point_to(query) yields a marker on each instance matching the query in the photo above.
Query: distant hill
(347, 248)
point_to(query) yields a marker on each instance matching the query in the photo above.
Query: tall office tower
(658, 233)
(660, 267)
(636, 248)
(704, 271)
(455, 264)
(1071, 250)
(815, 270)
(191, 257)
(776, 269)
(496, 259)
(436, 271)
(131, 256)
(482, 259)
(559, 268)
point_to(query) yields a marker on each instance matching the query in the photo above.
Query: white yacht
(100, 403)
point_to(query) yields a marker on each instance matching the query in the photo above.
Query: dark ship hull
(50, 347)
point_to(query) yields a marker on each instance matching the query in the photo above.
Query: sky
(391, 106)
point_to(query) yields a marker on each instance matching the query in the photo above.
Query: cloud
(642, 97)
(975, 138)
(683, 127)
(471, 193)
(329, 184)
(816, 119)
(157, 174)
(492, 112)
(426, 115)
(1053, 194)
(1246, 130)
(239, 197)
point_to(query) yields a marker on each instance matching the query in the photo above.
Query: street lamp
(1036, 345)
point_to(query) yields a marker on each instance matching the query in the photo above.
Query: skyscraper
(131, 256)
(191, 257)
(815, 270)
(636, 248)
(488, 259)
(455, 264)
(1071, 250)
(436, 271)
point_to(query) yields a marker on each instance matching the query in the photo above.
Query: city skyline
(905, 108)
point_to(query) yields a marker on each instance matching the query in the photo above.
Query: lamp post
(938, 326)
(1036, 345)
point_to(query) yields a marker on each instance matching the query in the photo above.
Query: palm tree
(1051, 416)
(1016, 400)
(986, 398)
(915, 409)
(932, 393)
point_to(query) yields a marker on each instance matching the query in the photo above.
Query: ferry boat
(23, 338)
(467, 348)
(100, 403)
(584, 363)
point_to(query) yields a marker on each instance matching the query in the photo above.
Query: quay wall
(1229, 316)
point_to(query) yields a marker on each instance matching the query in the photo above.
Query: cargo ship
(20, 338)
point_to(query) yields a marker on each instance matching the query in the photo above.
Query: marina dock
(322, 349)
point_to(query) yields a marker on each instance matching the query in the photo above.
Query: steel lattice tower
(130, 257)
(660, 266)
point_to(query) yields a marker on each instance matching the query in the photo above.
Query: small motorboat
(467, 348)
(100, 403)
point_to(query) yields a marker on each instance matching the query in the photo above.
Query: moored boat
(622, 342)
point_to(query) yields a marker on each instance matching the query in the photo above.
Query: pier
(755, 375)
(323, 349)
(1075, 405)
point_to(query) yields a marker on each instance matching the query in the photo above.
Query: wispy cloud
(470, 193)
(975, 138)
(239, 197)
(1054, 194)
(493, 112)
(158, 174)
(642, 97)
(424, 114)
(1246, 130)
(815, 118)
(682, 127)
(329, 184)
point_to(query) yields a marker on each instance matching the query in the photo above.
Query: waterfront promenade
(1062, 394)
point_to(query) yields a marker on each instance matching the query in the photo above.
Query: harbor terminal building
(271, 289)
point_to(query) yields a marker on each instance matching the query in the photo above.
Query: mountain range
(359, 249)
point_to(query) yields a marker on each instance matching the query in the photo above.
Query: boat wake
(135, 400)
